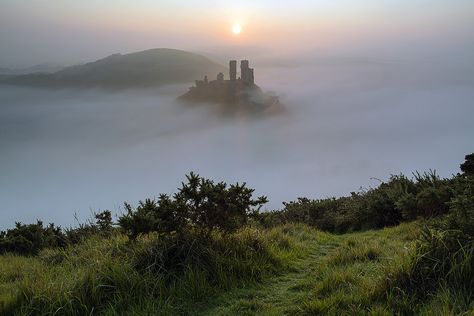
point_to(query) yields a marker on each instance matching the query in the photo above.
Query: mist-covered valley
(67, 151)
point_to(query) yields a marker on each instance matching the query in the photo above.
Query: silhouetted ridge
(153, 67)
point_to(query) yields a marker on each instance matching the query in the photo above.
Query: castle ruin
(236, 90)
(246, 75)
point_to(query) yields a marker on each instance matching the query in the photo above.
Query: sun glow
(236, 28)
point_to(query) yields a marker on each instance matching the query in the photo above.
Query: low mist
(347, 124)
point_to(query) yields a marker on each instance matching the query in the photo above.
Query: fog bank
(67, 151)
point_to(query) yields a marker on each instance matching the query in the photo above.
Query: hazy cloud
(73, 150)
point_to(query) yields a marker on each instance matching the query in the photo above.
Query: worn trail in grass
(337, 274)
(280, 294)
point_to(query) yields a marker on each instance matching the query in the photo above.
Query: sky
(69, 31)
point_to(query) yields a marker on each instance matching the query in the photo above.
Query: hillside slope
(153, 67)
(287, 270)
(322, 273)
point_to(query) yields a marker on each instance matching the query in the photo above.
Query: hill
(153, 67)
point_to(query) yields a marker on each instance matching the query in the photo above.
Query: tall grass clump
(442, 263)
(221, 259)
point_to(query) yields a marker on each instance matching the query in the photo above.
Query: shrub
(432, 201)
(100, 224)
(406, 204)
(374, 208)
(162, 216)
(199, 204)
(399, 199)
(29, 239)
(322, 212)
(212, 205)
(468, 166)
(104, 220)
(297, 211)
(381, 209)
(461, 217)
(268, 219)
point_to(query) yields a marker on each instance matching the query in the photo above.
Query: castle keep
(233, 70)
(246, 73)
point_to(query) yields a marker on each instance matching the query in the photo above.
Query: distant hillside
(152, 67)
(41, 68)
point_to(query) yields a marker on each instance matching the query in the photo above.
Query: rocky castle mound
(241, 93)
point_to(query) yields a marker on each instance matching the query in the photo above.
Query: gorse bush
(399, 199)
(30, 239)
(104, 221)
(152, 216)
(101, 224)
(200, 204)
(468, 166)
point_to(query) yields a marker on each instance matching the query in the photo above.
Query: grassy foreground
(118, 276)
(291, 269)
(341, 275)
(300, 271)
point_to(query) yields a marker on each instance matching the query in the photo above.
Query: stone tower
(246, 73)
(233, 70)
(244, 69)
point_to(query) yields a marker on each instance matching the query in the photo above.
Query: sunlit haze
(236, 28)
(33, 32)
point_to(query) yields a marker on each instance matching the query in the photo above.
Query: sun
(236, 28)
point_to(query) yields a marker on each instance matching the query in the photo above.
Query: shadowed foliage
(199, 204)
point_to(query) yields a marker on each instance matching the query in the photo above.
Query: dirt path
(278, 295)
